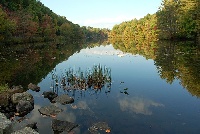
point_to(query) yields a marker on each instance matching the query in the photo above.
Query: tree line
(30, 21)
(175, 19)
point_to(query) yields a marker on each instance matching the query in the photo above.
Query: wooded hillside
(175, 19)
(30, 21)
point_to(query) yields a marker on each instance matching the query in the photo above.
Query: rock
(25, 96)
(24, 107)
(50, 95)
(26, 130)
(99, 126)
(16, 89)
(5, 125)
(33, 87)
(60, 126)
(63, 99)
(93, 130)
(33, 125)
(50, 110)
(4, 99)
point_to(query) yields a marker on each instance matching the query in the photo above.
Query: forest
(174, 20)
(23, 21)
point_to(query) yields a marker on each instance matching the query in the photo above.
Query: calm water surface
(149, 105)
(138, 100)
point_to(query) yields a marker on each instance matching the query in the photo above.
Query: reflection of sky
(165, 101)
(138, 105)
(102, 50)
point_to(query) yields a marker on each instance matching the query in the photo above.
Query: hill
(30, 21)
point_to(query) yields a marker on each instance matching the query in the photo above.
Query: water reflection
(138, 105)
(74, 81)
(174, 60)
(180, 60)
(135, 89)
(29, 63)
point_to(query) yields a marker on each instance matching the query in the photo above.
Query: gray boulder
(26, 130)
(24, 107)
(33, 87)
(60, 126)
(25, 96)
(63, 99)
(50, 95)
(50, 110)
(5, 125)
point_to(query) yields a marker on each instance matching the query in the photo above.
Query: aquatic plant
(95, 78)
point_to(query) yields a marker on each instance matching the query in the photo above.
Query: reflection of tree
(174, 60)
(180, 60)
(22, 64)
(25, 63)
(142, 47)
(165, 57)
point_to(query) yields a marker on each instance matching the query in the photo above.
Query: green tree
(7, 26)
(66, 30)
(48, 30)
(168, 19)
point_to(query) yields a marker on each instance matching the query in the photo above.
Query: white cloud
(138, 105)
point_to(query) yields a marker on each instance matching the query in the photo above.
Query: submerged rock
(50, 95)
(60, 126)
(63, 99)
(5, 125)
(33, 87)
(99, 126)
(26, 130)
(25, 96)
(50, 110)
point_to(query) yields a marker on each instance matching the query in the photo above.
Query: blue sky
(102, 13)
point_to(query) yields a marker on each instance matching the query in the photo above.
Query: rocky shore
(18, 102)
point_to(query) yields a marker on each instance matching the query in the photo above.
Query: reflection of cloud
(35, 114)
(67, 116)
(103, 51)
(82, 105)
(138, 105)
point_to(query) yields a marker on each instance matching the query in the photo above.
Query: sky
(102, 13)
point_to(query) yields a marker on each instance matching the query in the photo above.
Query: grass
(3, 87)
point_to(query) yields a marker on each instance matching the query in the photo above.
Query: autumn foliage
(30, 21)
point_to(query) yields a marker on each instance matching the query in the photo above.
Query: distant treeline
(30, 21)
(175, 19)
